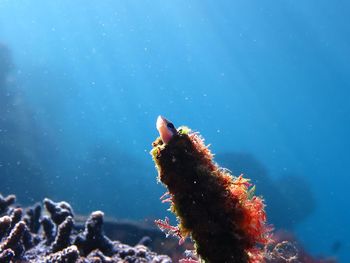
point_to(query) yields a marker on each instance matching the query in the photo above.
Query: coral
(36, 238)
(48, 228)
(69, 254)
(5, 224)
(142, 233)
(93, 237)
(14, 240)
(5, 202)
(32, 218)
(58, 211)
(6, 255)
(219, 211)
(62, 239)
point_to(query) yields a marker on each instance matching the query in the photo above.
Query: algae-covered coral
(219, 211)
(33, 237)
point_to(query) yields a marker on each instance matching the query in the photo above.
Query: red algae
(217, 210)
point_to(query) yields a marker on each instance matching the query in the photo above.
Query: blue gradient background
(271, 78)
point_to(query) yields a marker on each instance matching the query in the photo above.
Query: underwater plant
(219, 211)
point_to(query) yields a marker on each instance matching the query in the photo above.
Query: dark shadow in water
(106, 178)
(289, 199)
(20, 141)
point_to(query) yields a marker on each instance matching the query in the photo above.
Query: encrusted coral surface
(34, 237)
(219, 211)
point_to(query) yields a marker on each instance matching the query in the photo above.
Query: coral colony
(218, 211)
(33, 237)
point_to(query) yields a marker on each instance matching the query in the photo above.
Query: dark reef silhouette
(289, 199)
(32, 236)
(53, 233)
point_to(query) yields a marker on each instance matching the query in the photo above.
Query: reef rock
(34, 237)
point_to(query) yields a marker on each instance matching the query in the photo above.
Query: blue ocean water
(266, 83)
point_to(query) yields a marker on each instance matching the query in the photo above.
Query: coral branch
(23, 241)
(13, 241)
(5, 202)
(5, 224)
(62, 239)
(93, 237)
(219, 211)
(32, 218)
(48, 227)
(67, 255)
(28, 238)
(58, 211)
(16, 216)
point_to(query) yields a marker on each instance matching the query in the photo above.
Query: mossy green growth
(158, 145)
(183, 130)
(217, 210)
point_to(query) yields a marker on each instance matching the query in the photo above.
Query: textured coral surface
(34, 236)
(219, 211)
